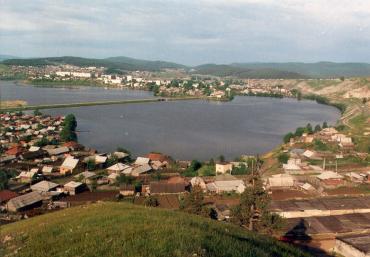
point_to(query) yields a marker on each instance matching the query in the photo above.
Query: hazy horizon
(191, 32)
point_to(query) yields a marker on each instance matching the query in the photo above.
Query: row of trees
(300, 130)
(68, 132)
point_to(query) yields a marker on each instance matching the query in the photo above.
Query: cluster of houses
(199, 87)
(45, 169)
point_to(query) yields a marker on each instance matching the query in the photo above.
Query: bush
(287, 137)
(151, 201)
(283, 158)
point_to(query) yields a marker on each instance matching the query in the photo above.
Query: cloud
(191, 31)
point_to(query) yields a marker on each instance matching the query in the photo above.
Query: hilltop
(244, 73)
(314, 70)
(122, 229)
(288, 70)
(119, 63)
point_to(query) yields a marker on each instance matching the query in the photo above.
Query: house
(26, 176)
(120, 155)
(97, 159)
(47, 170)
(44, 186)
(7, 158)
(222, 168)
(141, 169)
(113, 177)
(307, 187)
(142, 161)
(198, 181)
(34, 149)
(281, 180)
(357, 245)
(32, 155)
(309, 154)
(165, 187)
(117, 168)
(330, 179)
(73, 188)
(85, 176)
(57, 151)
(127, 190)
(355, 177)
(293, 166)
(6, 195)
(15, 150)
(226, 184)
(24, 202)
(68, 165)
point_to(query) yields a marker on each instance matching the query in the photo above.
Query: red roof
(6, 195)
(157, 157)
(71, 144)
(16, 150)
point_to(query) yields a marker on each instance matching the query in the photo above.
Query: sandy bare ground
(12, 103)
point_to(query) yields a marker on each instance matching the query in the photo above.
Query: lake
(186, 129)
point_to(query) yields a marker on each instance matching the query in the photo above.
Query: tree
(364, 100)
(299, 95)
(221, 158)
(317, 128)
(287, 137)
(193, 202)
(252, 212)
(195, 165)
(68, 132)
(299, 132)
(324, 125)
(283, 158)
(309, 128)
(90, 164)
(37, 112)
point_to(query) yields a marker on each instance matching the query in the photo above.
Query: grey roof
(333, 203)
(25, 200)
(44, 186)
(57, 151)
(360, 242)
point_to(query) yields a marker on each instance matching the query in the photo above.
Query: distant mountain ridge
(314, 70)
(122, 63)
(6, 57)
(287, 70)
(244, 73)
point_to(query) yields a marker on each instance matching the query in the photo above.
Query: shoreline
(163, 99)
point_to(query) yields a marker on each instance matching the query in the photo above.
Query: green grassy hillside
(121, 229)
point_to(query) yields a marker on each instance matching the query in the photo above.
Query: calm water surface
(184, 130)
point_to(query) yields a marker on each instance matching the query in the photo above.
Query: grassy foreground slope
(121, 229)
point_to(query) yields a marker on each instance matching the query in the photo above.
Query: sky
(189, 31)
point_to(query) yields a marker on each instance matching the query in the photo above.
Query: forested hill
(314, 70)
(288, 70)
(121, 63)
(244, 73)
